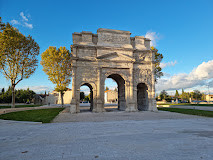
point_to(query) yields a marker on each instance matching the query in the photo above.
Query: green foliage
(107, 88)
(163, 94)
(176, 94)
(57, 65)
(158, 59)
(197, 95)
(21, 95)
(88, 98)
(40, 115)
(18, 55)
(82, 95)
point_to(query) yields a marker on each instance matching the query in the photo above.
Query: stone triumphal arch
(113, 54)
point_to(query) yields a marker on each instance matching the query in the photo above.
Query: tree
(163, 94)
(197, 95)
(57, 65)
(88, 97)
(82, 95)
(182, 95)
(157, 60)
(18, 55)
(203, 97)
(176, 94)
(107, 88)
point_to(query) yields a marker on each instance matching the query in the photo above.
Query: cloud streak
(23, 21)
(23, 16)
(200, 76)
(154, 37)
(168, 64)
(37, 89)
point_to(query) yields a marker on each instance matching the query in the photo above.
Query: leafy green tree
(158, 59)
(57, 65)
(107, 88)
(2, 90)
(176, 94)
(163, 94)
(18, 55)
(82, 95)
(88, 97)
(21, 95)
(203, 97)
(197, 94)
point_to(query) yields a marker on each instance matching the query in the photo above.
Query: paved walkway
(119, 116)
(186, 138)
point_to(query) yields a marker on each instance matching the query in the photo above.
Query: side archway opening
(142, 97)
(86, 97)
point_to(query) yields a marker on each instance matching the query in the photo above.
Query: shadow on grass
(39, 115)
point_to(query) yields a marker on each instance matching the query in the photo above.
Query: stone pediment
(114, 56)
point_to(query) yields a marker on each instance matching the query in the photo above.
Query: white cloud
(28, 25)
(24, 18)
(23, 22)
(154, 37)
(37, 89)
(200, 76)
(14, 22)
(163, 65)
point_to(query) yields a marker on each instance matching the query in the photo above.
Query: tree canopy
(21, 95)
(57, 65)
(158, 59)
(163, 94)
(18, 55)
(176, 94)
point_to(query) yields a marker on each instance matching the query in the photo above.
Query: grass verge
(20, 106)
(188, 111)
(39, 115)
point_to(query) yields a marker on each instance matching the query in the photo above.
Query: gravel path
(119, 116)
(159, 139)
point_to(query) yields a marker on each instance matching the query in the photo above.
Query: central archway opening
(114, 96)
(86, 97)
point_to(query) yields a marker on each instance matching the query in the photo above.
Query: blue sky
(181, 30)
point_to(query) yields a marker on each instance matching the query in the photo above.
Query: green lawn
(39, 115)
(188, 111)
(20, 106)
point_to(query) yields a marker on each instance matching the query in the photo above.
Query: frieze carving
(114, 39)
(143, 75)
(145, 57)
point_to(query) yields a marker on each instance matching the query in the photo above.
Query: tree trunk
(62, 99)
(13, 96)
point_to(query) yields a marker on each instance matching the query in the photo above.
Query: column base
(98, 110)
(73, 107)
(131, 108)
(152, 106)
(99, 107)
